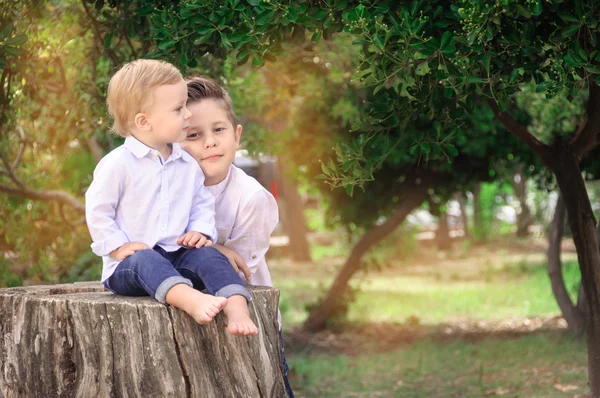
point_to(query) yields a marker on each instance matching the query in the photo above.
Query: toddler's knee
(145, 255)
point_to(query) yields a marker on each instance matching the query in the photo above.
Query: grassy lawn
(544, 365)
(488, 285)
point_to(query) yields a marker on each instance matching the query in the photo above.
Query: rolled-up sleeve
(202, 213)
(101, 201)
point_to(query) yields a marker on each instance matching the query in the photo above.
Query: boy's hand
(193, 239)
(237, 262)
(128, 249)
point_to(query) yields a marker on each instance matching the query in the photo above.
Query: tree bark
(461, 198)
(574, 315)
(442, 234)
(565, 166)
(524, 216)
(479, 230)
(563, 160)
(79, 341)
(317, 319)
(293, 214)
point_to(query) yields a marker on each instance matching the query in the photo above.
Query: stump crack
(112, 351)
(184, 371)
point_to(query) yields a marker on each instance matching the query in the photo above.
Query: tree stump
(78, 340)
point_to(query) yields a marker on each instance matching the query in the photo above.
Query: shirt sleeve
(251, 233)
(202, 213)
(101, 201)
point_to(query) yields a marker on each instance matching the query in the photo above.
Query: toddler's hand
(128, 249)
(236, 261)
(193, 239)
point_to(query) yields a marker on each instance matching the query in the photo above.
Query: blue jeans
(286, 368)
(154, 272)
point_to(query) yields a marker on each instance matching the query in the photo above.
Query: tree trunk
(293, 214)
(79, 341)
(574, 315)
(461, 198)
(524, 216)
(478, 223)
(317, 319)
(565, 166)
(442, 234)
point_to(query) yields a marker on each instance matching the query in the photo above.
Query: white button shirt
(136, 196)
(246, 215)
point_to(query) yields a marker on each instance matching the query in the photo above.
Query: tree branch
(99, 38)
(589, 136)
(61, 197)
(519, 131)
(61, 211)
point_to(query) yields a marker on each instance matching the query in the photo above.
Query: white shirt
(136, 196)
(246, 215)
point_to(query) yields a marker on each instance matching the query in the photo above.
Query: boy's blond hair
(131, 90)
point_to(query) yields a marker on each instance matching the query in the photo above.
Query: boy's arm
(251, 234)
(202, 213)
(101, 200)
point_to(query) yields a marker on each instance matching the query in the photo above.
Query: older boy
(246, 213)
(141, 210)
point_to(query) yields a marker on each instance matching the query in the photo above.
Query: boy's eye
(219, 129)
(179, 109)
(192, 136)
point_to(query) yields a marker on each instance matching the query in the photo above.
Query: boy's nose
(188, 114)
(210, 142)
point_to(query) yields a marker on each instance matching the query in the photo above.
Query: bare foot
(238, 317)
(202, 307)
(205, 307)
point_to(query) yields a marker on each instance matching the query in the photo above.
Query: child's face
(168, 118)
(212, 140)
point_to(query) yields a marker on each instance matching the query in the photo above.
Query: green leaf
(258, 61)
(451, 149)
(567, 17)
(536, 8)
(13, 51)
(316, 36)
(202, 30)
(264, 17)
(487, 58)
(446, 38)
(448, 92)
(475, 79)
(6, 31)
(16, 41)
(569, 31)
(165, 44)
(108, 40)
(378, 41)
(254, 2)
(340, 5)
(422, 69)
(225, 40)
(523, 11)
(349, 189)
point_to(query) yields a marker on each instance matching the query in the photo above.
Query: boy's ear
(141, 122)
(238, 134)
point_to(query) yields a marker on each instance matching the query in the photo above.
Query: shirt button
(254, 257)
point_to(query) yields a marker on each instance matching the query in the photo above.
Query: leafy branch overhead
(427, 63)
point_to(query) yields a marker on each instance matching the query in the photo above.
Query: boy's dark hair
(202, 88)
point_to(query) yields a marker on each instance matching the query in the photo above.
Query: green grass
(530, 366)
(465, 289)
(515, 290)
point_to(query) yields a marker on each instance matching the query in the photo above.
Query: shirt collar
(139, 149)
